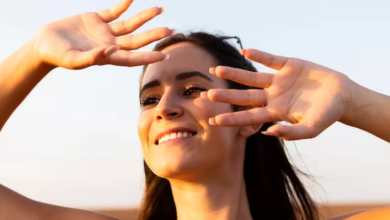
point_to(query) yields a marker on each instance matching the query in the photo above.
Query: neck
(216, 197)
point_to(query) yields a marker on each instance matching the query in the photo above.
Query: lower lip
(173, 141)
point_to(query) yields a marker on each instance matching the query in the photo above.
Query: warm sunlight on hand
(89, 39)
(309, 96)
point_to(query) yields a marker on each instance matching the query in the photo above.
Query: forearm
(14, 206)
(369, 111)
(19, 74)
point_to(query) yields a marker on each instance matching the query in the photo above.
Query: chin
(177, 166)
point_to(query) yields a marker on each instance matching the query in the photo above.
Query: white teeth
(163, 138)
(174, 136)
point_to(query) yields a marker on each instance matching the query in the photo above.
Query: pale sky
(74, 140)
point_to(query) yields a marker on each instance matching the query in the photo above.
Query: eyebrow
(180, 76)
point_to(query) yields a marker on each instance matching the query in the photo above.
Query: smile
(174, 136)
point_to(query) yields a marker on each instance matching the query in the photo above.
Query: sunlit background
(73, 141)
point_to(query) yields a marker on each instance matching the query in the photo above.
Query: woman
(210, 152)
(200, 162)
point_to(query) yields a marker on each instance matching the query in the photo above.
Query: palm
(301, 93)
(309, 96)
(60, 38)
(89, 39)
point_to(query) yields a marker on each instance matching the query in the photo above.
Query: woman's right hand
(89, 39)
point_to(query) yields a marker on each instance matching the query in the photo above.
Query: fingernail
(162, 9)
(212, 121)
(166, 57)
(203, 95)
(173, 31)
(270, 133)
(212, 70)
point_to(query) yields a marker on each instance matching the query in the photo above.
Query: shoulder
(377, 214)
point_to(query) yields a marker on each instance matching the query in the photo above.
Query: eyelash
(190, 88)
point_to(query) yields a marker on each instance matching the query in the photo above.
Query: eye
(150, 101)
(193, 90)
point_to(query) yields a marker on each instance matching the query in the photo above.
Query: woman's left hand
(309, 96)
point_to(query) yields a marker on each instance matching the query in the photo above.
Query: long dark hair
(273, 188)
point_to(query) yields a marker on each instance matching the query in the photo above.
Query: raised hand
(89, 39)
(309, 96)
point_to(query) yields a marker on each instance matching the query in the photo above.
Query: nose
(168, 107)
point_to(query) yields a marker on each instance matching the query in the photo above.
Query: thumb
(79, 60)
(292, 132)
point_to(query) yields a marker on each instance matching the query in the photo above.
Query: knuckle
(295, 61)
(110, 11)
(91, 61)
(252, 78)
(252, 118)
(312, 134)
(271, 60)
(127, 24)
(247, 96)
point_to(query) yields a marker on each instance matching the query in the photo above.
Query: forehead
(183, 57)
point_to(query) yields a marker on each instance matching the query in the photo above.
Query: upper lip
(172, 130)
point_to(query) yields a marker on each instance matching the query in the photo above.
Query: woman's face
(173, 127)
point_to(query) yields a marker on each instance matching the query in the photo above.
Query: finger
(292, 132)
(255, 79)
(78, 60)
(267, 59)
(114, 12)
(110, 50)
(126, 58)
(132, 42)
(255, 116)
(250, 97)
(132, 24)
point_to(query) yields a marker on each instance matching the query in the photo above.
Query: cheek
(208, 109)
(212, 134)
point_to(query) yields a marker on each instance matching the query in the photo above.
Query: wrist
(355, 103)
(34, 58)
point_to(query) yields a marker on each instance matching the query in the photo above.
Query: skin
(309, 96)
(203, 167)
(72, 43)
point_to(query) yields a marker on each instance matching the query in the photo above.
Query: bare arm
(309, 96)
(14, 206)
(19, 74)
(377, 214)
(370, 111)
(76, 42)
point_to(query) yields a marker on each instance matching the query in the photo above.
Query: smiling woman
(190, 165)
(212, 146)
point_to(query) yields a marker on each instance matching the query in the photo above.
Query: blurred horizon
(325, 212)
